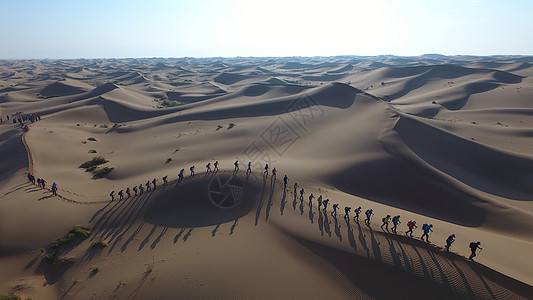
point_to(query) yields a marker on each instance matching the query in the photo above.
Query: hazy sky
(159, 28)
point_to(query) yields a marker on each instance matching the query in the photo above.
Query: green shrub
(103, 172)
(92, 151)
(76, 233)
(168, 103)
(91, 139)
(10, 296)
(99, 243)
(80, 232)
(169, 160)
(95, 270)
(219, 127)
(97, 160)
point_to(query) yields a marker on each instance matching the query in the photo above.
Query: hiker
(347, 213)
(311, 200)
(473, 247)
(236, 164)
(302, 194)
(386, 221)
(295, 187)
(112, 194)
(30, 176)
(249, 170)
(411, 225)
(395, 222)
(357, 212)
(274, 172)
(54, 188)
(141, 189)
(325, 204)
(334, 212)
(43, 183)
(285, 180)
(165, 180)
(266, 169)
(148, 187)
(121, 194)
(426, 228)
(39, 182)
(154, 183)
(208, 167)
(135, 190)
(192, 170)
(180, 175)
(216, 166)
(128, 192)
(449, 242)
(319, 200)
(368, 214)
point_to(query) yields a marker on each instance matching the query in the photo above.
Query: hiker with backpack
(285, 180)
(449, 242)
(148, 187)
(135, 190)
(54, 188)
(128, 192)
(141, 189)
(208, 167)
(302, 194)
(192, 171)
(311, 200)
(325, 204)
(411, 225)
(154, 183)
(236, 164)
(121, 194)
(249, 170)
(347, 213)
(274, 173)
(368, 214)
(334, 212)
(385, 221)
(180, 174)
(473, 247)
(216, 166)
(395, 222)
(426, 228)
(266, 170)
(112, 194)
(319, 200)
(357, 212)
(165, 180)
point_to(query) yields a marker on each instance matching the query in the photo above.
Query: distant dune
(442, 140)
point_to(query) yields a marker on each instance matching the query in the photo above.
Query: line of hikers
(426, 228)
(322, 204)
(41, 182)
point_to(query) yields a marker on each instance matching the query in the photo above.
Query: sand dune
(436, 139)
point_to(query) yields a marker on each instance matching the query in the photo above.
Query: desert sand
(437, 139)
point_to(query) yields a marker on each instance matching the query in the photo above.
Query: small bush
(92, 151)
(99, 243)
(168, 103)
(219, 127)
(169, 160)
(77, 232)
(96, 161)
(95, 270)
(103, 172)
(91, 139)
(10, 296)
(90, 169)
(84, 142)
(80, 232)
(78, 125)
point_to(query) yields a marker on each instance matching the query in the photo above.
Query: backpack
(473, 246)
(410, 224)
(383, 220)
(425, 227)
